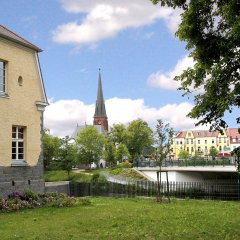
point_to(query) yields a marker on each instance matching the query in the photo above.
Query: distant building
(22, 102)
(199, 142)
(100, 119)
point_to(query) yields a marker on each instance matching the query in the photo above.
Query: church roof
(9, 35)
(81, 127)
(100, 110)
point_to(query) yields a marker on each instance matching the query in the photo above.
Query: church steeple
(100, 116)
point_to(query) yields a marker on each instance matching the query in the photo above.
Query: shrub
(29, 194)
(28, 199)
(125, 165)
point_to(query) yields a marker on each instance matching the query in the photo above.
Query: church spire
(100, 110)
(100, 116)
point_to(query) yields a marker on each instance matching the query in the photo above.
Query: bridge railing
(187, 163)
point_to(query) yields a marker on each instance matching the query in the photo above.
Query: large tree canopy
(90, 145)
(140, 136)
(211, 29)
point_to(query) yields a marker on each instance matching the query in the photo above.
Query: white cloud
(105, 18)
(61, 117)
(165, 80)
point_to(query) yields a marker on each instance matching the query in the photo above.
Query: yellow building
(199, 142)
(22, 102)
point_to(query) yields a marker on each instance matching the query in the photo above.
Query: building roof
(81, 127)
(9, 35)
(233, 132)
(204, 133)
(100, 110)
(199, 134)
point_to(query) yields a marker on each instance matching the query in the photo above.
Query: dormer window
(2, 77)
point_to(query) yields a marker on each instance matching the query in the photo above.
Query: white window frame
(3, 77)
(18, 143)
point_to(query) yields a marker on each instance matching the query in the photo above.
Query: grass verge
(131, 219)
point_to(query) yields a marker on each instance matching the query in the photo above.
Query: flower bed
(28, 199)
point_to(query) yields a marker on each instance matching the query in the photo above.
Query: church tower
(100, 116)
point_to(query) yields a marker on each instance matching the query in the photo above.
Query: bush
(29, 194)
(28, 199)
(125, 165)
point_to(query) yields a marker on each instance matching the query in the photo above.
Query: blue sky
(132, 42)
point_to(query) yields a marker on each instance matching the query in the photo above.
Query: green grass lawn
(86, 176)
(108, 218)
(61, 175)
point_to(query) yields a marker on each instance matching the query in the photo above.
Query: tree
(109, 152)
(163, 140)
(236, 154)
(139, 136)
(211, 30)
(90, 145)
(121, 153)
(51, 147)
(118, 134)
(213, 152)
(183, 154)
(67, 155)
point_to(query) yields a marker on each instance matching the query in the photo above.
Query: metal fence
(227, 190)
(187, 162)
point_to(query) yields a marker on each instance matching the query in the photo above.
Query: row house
(199, 142)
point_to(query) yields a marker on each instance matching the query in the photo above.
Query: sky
(134, 44)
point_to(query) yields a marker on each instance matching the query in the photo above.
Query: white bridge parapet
(189, 174)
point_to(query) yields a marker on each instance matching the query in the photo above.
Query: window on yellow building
(198, 141)
(2, 77)
(187, 141)
(191, 141)
(205, 141)
(18, 143)
(213, 141)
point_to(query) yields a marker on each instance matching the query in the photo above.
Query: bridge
(189, 170)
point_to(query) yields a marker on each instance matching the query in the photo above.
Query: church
(100, 119)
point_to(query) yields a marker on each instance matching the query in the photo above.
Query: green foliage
(118, 134)
(62, 175)
(109, 152)
(236, 153)
(211, 30)
(213, 152)
(202, 162)
(121, 153)
(29, 194)
(90, 145)
(51, 147)
(139, 137)
(183, 154)
(163, 139)
(67, 155)
(125, 165)
(97, 177)
(120, 219)
(28, 199)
